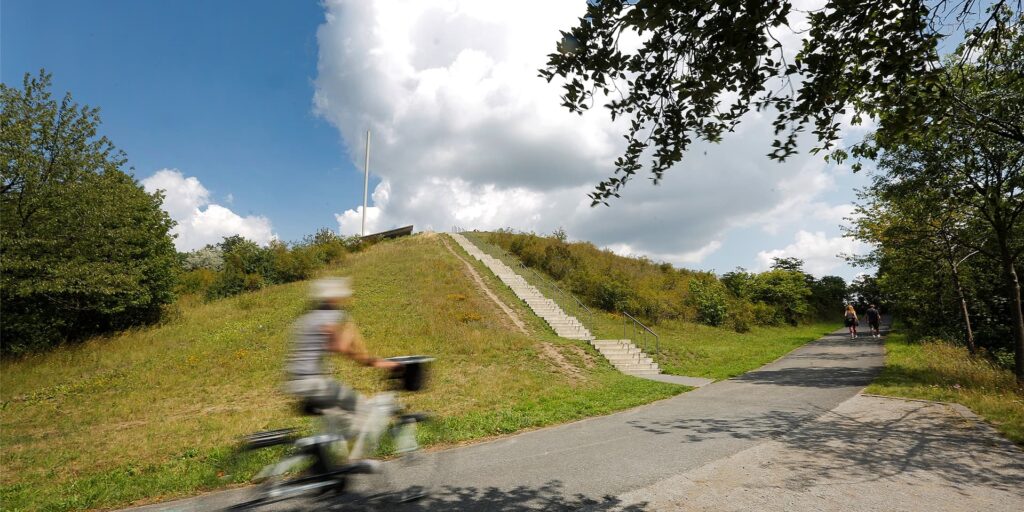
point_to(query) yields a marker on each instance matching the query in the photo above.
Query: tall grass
(934, 369)
(154, 413)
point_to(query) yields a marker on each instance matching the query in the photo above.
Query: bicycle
(327, 460)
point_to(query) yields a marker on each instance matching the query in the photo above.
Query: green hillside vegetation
(783, 295)
(685, 345)
(154, 412)
(237, 265)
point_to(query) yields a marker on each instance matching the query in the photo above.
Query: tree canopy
(946, 205)
(83, 248)
(700, 66)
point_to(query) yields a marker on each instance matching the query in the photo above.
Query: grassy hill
(154, 413)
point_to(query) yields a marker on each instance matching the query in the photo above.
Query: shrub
(196, 281)
(289, 265)
(741, 315)
(247, 266)
(210, 257)
(611, 294)
(83, 248)
(786, 290)
(766, 315)
(658, 290)
(325, 247)
(709, 297)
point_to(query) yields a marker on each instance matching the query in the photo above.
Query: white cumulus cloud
(821, 254)
(465, 133)
(201, 222)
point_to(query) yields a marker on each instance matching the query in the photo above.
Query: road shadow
(812, 376)
(826, 447)
(549, 496)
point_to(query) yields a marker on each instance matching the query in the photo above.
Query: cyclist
(328, 328)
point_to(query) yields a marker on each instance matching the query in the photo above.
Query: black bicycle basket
(412, 374)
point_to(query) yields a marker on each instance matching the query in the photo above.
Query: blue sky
(219, 90)
(258, 102)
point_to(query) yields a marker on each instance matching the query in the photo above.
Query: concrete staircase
(623, 354)
(626, 357)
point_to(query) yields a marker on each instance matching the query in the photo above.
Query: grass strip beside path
(697, 350)
(941, 371)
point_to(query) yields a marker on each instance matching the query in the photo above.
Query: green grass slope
(153, 413)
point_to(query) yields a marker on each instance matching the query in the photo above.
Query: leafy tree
(828, 296)
(247, 267)
(976, 175)
(786, 290)
(701, 66)
(922, 239)
(739, 282)
(789, 264)
(83, 248)
(865, 290)
(210, 257)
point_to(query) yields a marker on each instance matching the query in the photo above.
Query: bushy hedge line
(238, 265)
(659, 291)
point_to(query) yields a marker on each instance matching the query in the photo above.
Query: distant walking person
(874, 319)
(851, 320)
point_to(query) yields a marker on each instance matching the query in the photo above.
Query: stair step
(634, 354)
(636, 366)
(638, 357)
(642, 372)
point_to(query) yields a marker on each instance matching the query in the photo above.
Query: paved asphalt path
(588, 463)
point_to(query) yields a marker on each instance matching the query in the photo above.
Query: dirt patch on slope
(588, 360)
(480, 284)
(551, 353)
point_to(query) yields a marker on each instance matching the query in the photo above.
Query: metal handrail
(643, 332)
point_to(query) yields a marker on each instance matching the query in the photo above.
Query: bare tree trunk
(967, 322)
(1013, 285)
(963, 307)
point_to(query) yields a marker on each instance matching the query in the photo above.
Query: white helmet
(331, 288)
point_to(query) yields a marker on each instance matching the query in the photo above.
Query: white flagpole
(366, 179)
